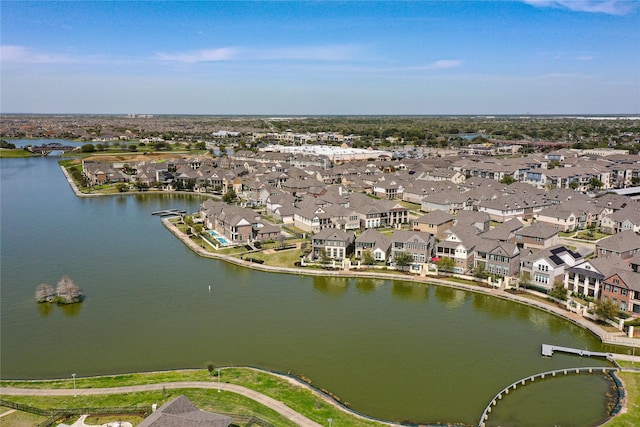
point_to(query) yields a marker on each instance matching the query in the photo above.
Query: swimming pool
(223, 240)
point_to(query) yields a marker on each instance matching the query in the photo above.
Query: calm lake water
(394, 350)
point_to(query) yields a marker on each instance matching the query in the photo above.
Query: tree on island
(45, 293)
(66, 292)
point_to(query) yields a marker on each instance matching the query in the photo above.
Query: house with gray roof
(623, 289)
(459, 244)
(547, 266)
(375, 242)
(337, 244)
(586, 278)
(418, 244)
(623, 245)
(537, 236)
(181, 412)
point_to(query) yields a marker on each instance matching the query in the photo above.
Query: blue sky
(321, 57)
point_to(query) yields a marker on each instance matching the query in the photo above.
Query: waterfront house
(547, 266)
(419, 244)
(586, 278)
(336, 244)
(623, 289)
(459, 244)
(375, 242)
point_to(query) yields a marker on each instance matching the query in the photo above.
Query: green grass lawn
(296, 397)
(14, 153)
(631, 418)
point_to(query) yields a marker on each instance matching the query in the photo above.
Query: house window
(624, 291)
(615, 289)
(607, 287)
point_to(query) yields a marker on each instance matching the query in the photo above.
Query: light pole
(74, 385)
(218, 380)
(330, 421)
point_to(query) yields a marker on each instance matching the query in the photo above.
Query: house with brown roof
(436, 223)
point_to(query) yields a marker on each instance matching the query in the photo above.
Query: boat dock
(548, 349)
(169, 212)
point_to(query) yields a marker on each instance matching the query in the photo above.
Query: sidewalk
(267, 401)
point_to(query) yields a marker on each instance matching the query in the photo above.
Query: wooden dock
(548, 349)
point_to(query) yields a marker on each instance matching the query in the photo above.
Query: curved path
(267, 401)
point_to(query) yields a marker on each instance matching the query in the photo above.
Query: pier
(169, 212)
(548, 349)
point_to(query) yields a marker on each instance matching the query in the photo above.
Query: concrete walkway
(267, 401)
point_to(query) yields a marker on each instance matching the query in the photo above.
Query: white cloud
(24, 55)
(611, 7)
(206, 55)
(303, 53)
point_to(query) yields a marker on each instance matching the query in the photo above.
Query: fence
(55, 415)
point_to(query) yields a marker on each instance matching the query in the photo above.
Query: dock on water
(169, 212)
(548, 349)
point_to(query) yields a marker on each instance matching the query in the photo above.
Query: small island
(66, 292)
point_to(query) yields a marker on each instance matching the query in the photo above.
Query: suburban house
(586, 278)
(623, 288)
(336, 244)
(452, 202)
(547, 266)
(500, 258)
(537, 236)
(417, 243)
(627, 218)
(375, 242)
(459, 244)
(436, 223)
(237, 224)
(623, 245)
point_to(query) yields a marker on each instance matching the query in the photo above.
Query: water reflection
(452, 298)
(45, 309)
(366, 286)
(332, 286)
(410, 291)
(71, 310)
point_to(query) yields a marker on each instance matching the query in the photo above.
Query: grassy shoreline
(298, 397)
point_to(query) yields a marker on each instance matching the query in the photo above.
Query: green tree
(558, 291)
(133, 147)
(446, 264)
(606, 309)
(121, 187)
(480, 271)
(87, 148)
(324, 256)
(403, 260)
(367, 258)
(211, 367)
(574, 184)
(595, 183)
(508, 180)
(230, 196)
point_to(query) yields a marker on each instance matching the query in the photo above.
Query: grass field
(296, 397)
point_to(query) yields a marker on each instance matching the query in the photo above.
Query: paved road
(279, 407)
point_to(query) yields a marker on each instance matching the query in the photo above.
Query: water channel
(394, 350)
